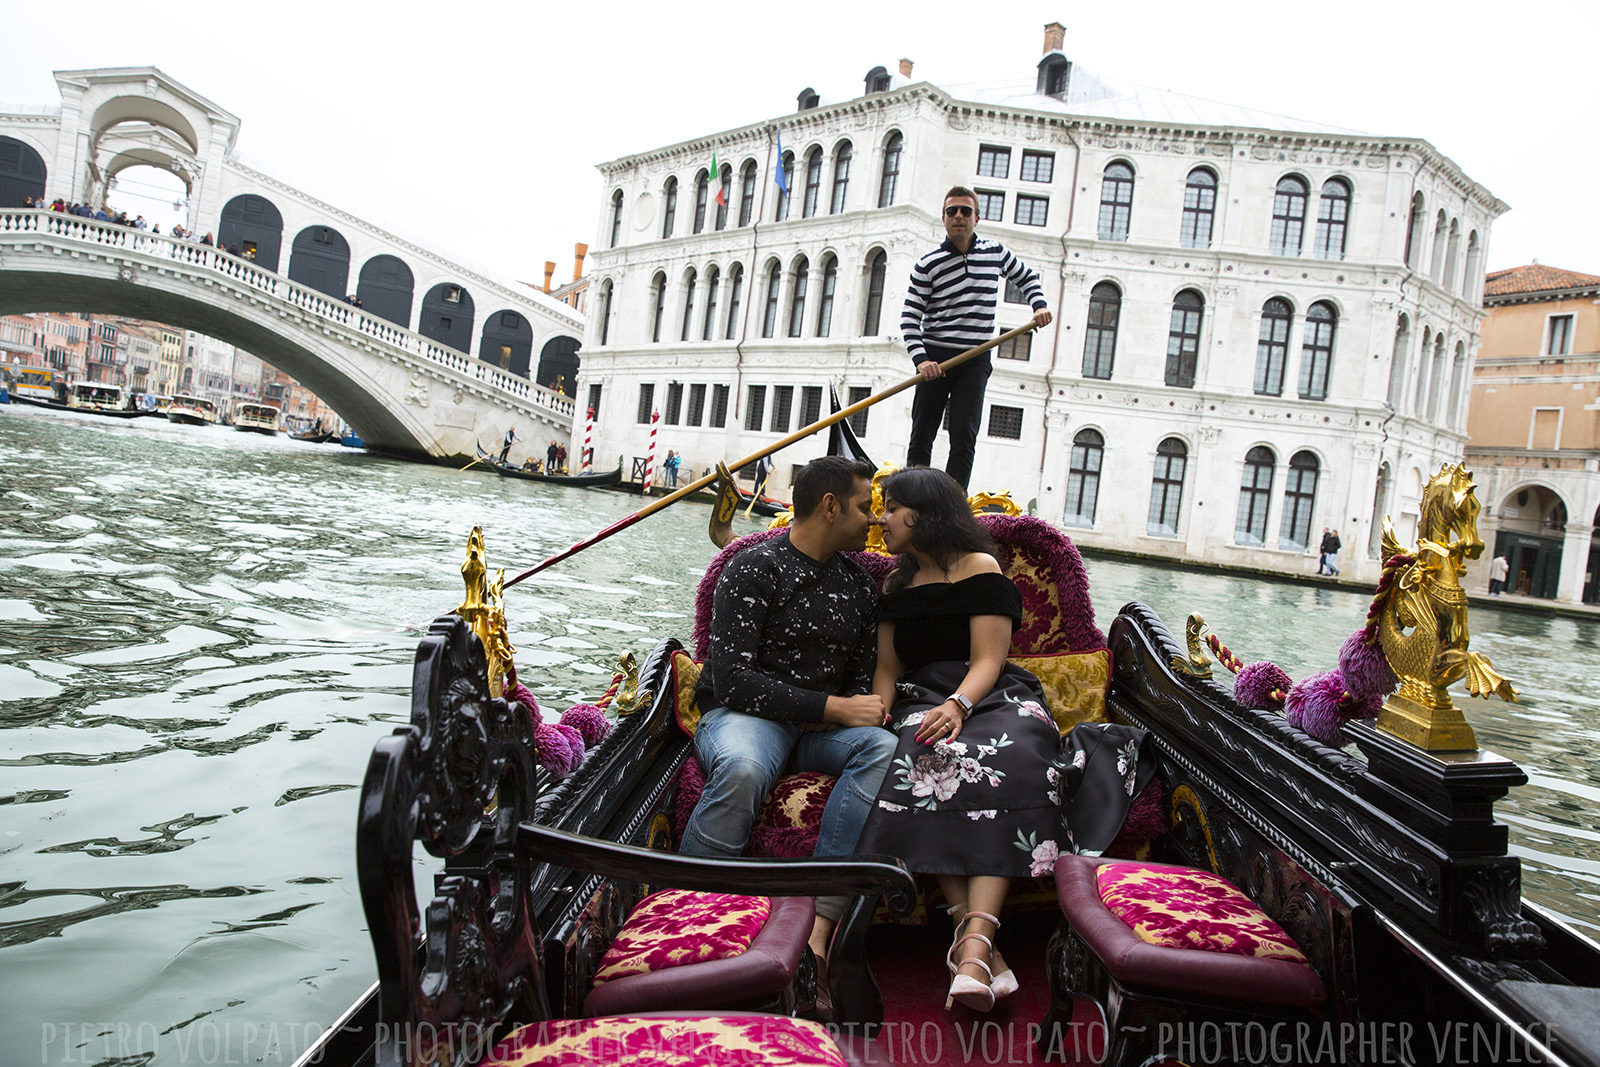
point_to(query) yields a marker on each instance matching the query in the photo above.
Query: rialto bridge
(437, 357)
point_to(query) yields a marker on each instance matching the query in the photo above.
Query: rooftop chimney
(1055, 37)
(905, 68)
(549, 271)
(579, 250)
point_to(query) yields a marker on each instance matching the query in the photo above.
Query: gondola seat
(1153, 943)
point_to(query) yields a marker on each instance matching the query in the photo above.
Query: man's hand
(930, 369)
(864, 710)
(1041, 318)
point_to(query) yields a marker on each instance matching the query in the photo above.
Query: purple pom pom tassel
(1313, 705)
(555, 749)
(521, 695)
(1256, 684)
(590, 722)
(1365, 669)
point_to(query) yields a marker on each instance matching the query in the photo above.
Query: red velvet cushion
(669, 1041)
(679, 926)
(1178, 907)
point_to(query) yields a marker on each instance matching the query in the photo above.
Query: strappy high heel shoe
(1005, 983)
(964, 989)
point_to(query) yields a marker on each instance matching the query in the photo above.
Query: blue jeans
(743, 756)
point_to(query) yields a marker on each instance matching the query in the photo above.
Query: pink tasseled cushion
(678, 926)
(653, 1041)
(1192, 909)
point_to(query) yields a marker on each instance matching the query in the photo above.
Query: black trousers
(961, 390)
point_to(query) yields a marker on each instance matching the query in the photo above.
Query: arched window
(658, 287)
(1458, 368)
(1183, 338)
(701, 193)
(769, 317)
(787, 166)
(841, 176)
(797, 298)
(1100, 337)
(1299, 500)
(1380, 499)
(1166, 488)
(669, 210)
(1419, 400)
(1333, 219)
(1414, 232)
(1436, 377)
(877, 271)
(891, 169)
(1316, 351)
(830, 282)
(747, 192)
(735, 296)
(1116, 201)
(616, 217)
(1288, 216)
(1397, 361)
(1083, 477)
(1199, 208)
(1255, 494)
(688, 303)
(1452, 252)
(1469, 278)
(1441, 224)
(605, 310)
(1272, 346)
(724, 189)
(713, 282)
(808, 201)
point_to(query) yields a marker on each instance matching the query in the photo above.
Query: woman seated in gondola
(973, 793)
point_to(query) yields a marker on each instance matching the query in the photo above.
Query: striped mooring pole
(588, 438)
(650, 457)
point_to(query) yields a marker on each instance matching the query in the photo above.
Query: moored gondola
(1373, 866)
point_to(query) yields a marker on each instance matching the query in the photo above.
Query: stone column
(1574, 563)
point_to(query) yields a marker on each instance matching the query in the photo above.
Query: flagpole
(799, 435)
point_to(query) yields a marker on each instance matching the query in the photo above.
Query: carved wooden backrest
(1057, 615)
(458, 779)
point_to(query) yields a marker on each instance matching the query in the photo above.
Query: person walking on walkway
(1497, 574)
(950, 307)
(1330, 549)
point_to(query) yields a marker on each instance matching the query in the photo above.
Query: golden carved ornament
(485, 611)
(1422, 619)
(1001, 503)
(1196, 664)
(629, 699)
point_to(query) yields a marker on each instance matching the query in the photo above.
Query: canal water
(203, 632)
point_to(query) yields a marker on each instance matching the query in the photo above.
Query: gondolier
(505, 449)
(950, 307)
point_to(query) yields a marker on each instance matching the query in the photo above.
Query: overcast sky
(474, 128)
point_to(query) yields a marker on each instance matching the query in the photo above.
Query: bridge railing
(246, 273)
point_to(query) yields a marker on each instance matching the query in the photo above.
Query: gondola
(1376, 858)
(315, 438)
(769, 507)
(595, 480)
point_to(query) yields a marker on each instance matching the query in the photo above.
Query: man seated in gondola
(787, 681)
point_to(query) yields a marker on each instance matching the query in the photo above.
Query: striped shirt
(953, 295)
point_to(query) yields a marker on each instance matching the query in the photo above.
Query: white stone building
(1264, 326)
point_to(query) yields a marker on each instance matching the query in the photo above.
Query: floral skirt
(988, 802)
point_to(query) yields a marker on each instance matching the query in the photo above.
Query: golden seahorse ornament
(1422, 618)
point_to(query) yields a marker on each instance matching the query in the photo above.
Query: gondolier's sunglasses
(957, 209)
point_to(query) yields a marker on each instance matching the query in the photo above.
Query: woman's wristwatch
(966, 705)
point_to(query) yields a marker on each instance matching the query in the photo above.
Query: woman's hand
(942, 723)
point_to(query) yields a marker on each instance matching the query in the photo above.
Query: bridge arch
(447, 316)
(507, 342)
(125, 109)
(22, 172)
(558, 362)
(386, 287)
(249, 220)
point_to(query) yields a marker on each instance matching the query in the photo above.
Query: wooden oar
(799, 435)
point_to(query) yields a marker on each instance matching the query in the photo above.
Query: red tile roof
(1535, 278)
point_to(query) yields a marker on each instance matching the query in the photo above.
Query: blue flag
(783, 175)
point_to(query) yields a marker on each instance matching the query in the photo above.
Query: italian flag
(716, 179)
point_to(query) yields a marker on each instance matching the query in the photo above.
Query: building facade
(1263, 326)
(1535, 432)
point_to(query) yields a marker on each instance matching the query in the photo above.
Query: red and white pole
(588, 437)
(650, 457)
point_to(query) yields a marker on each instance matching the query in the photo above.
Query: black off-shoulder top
(931, 622)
